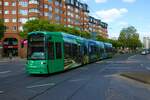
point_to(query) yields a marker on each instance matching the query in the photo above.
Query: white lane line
(148, 68)
(132, 57)
(5, 72)
(42, 85)
(77, 80)
(3, 61)
(1, 92)
(84, 68)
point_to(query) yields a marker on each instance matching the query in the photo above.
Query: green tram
(50, 52)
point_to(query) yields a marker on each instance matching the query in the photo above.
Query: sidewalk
(7, 59)
(143, 77)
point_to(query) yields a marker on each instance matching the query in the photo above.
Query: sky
(121, 14)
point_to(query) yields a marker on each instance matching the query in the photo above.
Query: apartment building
(98, 27)
(71, 13)
(76, 14)
(15, 13)
(104, 30)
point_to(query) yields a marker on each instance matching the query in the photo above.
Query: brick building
(71, 13)
(97, 26)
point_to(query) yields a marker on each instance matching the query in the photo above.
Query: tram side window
(67, 48)
(85, 50)
(93, 49)
(101, 50)
(58, 51)
(51, 50)
(74, 50)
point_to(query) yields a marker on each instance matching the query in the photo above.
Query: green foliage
(45, 25)
(129, 38)
(23, 35)
(2, 28)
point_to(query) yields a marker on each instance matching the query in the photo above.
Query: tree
(2, 28)
(36, 25)
(45, 25)
(129, 38)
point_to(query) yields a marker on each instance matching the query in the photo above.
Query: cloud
(110, 15)
(100, 1)
(123, 24)
(129, 1)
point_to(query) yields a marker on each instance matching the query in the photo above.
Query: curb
(136, 77)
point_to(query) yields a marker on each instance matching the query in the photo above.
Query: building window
(56, 10)
(56, 3)
(45, 6)
(34, 10)
(6, 20)
(6, 12)
(50, 8)
(23, 12)
(13, 3)
(33, 18)
(57, 18)
(0, 11)
(14, 28)
(69, 13)
(49, 15)
(33, 2)
(21, 28)
(61, 12)
(13, 11)
(23, 20)
(68, 7)
(45, 14)
(77, 16)
(72, 15)
(0, 2)
(69, 20)
(14, 20)
(24, 4)
(6, 3)
(76, 10)
(72, 2)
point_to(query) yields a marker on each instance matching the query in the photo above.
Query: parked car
(145, 51)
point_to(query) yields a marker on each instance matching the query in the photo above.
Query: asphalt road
(96, 81)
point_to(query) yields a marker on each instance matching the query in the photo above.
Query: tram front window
(36, 48)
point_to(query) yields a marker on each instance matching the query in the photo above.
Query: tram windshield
(36, 47)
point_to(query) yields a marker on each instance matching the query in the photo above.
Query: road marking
(3, 61)
(5, 72)
(131, 57)
(42, 85)
(148, 68)
(1, 92)
(76, 80)
(84, 68)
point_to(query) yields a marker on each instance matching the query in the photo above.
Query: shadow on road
(138, 76)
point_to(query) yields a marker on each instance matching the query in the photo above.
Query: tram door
(55, 56)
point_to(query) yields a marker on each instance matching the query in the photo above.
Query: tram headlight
(43, 63)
